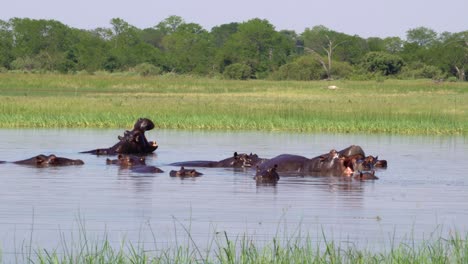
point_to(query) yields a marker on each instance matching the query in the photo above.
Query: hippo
(132, 142)
(242, 160)
(134, 163)
(127, 160)
(365, 175)
(369, 163)
(268, 175)
(334, 163)
(353, 151)
(49, 161)
(183, 172)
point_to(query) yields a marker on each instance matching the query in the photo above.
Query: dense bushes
(237, 71)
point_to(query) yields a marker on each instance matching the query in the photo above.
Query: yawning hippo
(132, 142)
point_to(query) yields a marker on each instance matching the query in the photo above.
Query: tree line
(247, 50)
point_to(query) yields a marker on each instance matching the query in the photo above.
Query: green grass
(244, 249)
(187, 102)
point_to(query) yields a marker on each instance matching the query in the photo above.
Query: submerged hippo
(242, 160)
(334, 163)
(134, 163)
(49, 161)
(365, 175)
(132, 142)
(324, 165)
(268, 175)
(183, 172)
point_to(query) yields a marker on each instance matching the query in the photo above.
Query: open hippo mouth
(143, 124)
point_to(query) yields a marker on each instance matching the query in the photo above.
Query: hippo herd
(133, 145)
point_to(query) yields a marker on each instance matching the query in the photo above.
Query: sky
(366, 18)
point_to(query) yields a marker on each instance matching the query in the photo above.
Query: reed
(245, 249)
(187, 102)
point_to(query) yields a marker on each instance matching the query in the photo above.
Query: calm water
(425, 189)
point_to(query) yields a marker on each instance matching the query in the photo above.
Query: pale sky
(366, 18)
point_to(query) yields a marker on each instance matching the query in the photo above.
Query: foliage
(179, 47)
(147, 69)
(257, 44)
(237, 71)
(420, 71)
(305, 68)
(383, 63)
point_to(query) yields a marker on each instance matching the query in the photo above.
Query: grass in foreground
(184, 102)
(245, 250)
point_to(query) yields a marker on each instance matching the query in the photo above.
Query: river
(423, 191)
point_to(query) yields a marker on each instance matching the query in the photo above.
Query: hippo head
(59, 161)
(369, 163)
(127, 160)
(380, 164)
(183, 172)
(50, 160)
(143, 124)
(269, 174)
(244, 160)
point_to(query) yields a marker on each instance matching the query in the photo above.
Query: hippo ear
(235, 154)
(182, 168)
(51, 158)
(120, 156)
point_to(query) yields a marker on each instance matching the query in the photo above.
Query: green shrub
(237, 71)
(147, 69)
(305, 68)
(341, 70)
(25, 64)
(421, 70)
(382, 62)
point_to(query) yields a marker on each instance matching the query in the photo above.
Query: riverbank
(187, 102)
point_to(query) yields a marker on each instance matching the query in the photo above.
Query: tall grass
(244, 249)
(185, 102)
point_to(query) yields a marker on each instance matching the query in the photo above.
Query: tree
(258, 45)
(90, 51)
(6, 44)
(127, 48)
(44, 40)
(383, 63)
(317, 42)
(393, 44)
(189, 49)
(422, 36)
(170, 24)
(453, 54)
(222, 33)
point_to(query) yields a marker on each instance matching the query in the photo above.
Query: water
(424, 190)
